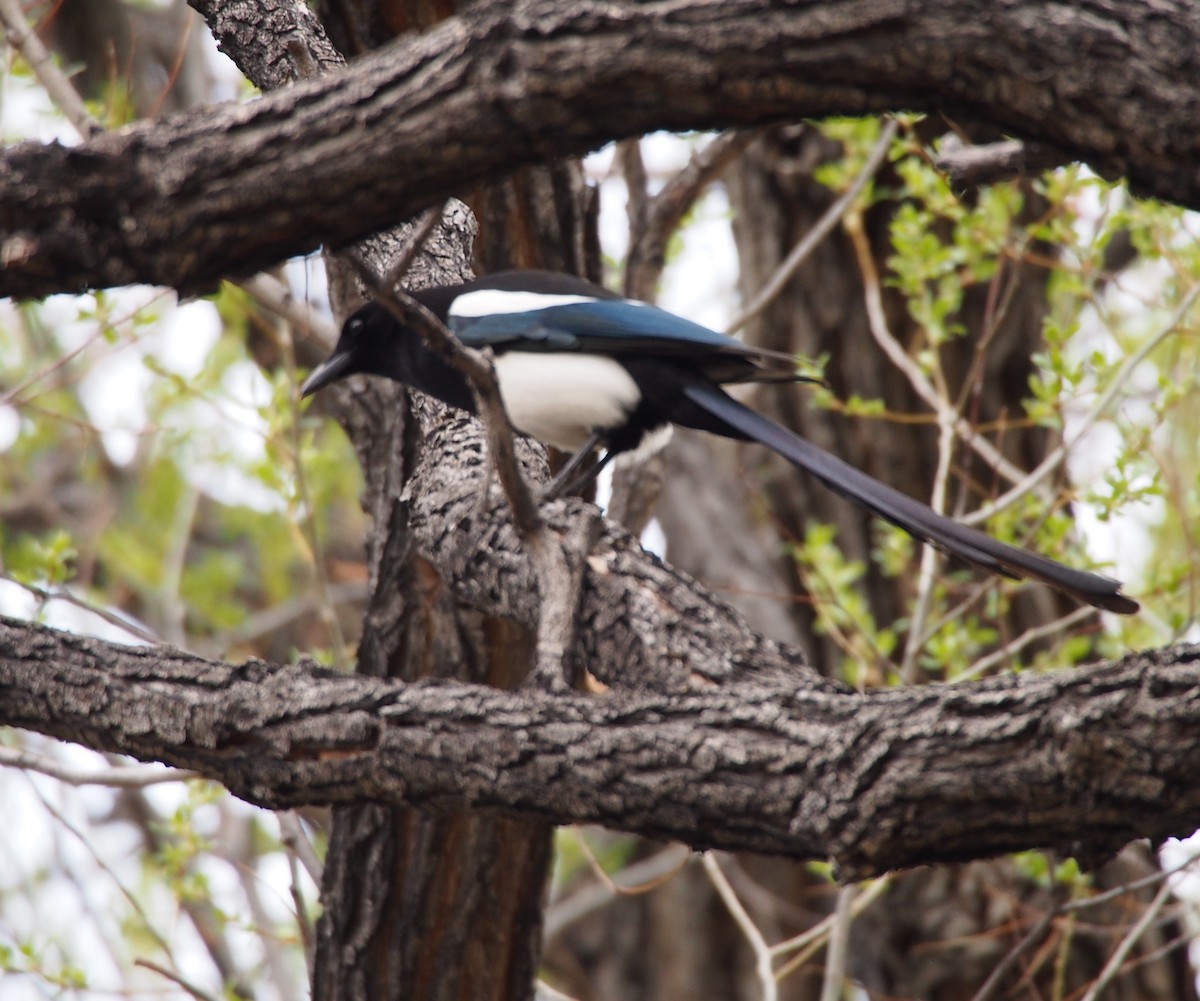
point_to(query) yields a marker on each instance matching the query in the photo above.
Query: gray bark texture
(232, 189)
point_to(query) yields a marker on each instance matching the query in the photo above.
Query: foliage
(1131, 457)
(161, 486)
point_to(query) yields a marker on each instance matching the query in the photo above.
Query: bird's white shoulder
(494, 302)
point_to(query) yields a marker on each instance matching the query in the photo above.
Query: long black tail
(914, 517)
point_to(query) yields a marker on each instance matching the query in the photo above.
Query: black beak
(330, 370)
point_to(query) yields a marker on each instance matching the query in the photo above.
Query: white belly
(561, 399)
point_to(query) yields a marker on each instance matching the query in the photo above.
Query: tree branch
(57, 84)
(230, 190)
(973, 166)
(251, 35)
(1080, 762)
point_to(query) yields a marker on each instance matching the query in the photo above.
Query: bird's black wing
(722, 414)
(624, 327)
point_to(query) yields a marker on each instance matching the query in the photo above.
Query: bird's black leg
(569, 476)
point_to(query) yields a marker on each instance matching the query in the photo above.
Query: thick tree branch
(1081, 762)
(229, 190)
(273, 42)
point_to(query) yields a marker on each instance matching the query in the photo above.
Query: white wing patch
(490, 302)
(561, 399)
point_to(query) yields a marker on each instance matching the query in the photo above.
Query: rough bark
(233, 189)
(1078, 762)
(448, 904)
(274, 43)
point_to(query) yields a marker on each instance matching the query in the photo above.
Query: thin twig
(1131, 887)
(839, 944)
(1113, 966)
(307, 932)
(201, 912)
(1015, 646)
(640, 886)
(848, 638)
(64, 95)
(877, 322)
(1052, 461)
(181, 53)
(1182, 940)
(758, 944)
(482, 378)
(653, 220)
(131, 777)
(294, 838)
(310, 529)
(271, 620)
(14, 396)
(1030, 939)
(172, 567)
(995, 315)
(89, 845)
(641, 877)
(824, 226)
(276, 954)
(46, 595)
(704, 166)
(637, 206)
(1062, 957)
(197, 992)
(930, 557)
(276, 297)
(812, 940)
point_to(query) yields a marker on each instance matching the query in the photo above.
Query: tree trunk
(451, 904)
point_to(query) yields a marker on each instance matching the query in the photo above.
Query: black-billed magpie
(579, 366)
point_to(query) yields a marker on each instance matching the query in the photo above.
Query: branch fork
(558, 561)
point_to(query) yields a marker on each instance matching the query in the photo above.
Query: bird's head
(372, 343)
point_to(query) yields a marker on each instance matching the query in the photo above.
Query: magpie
(579, 367)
